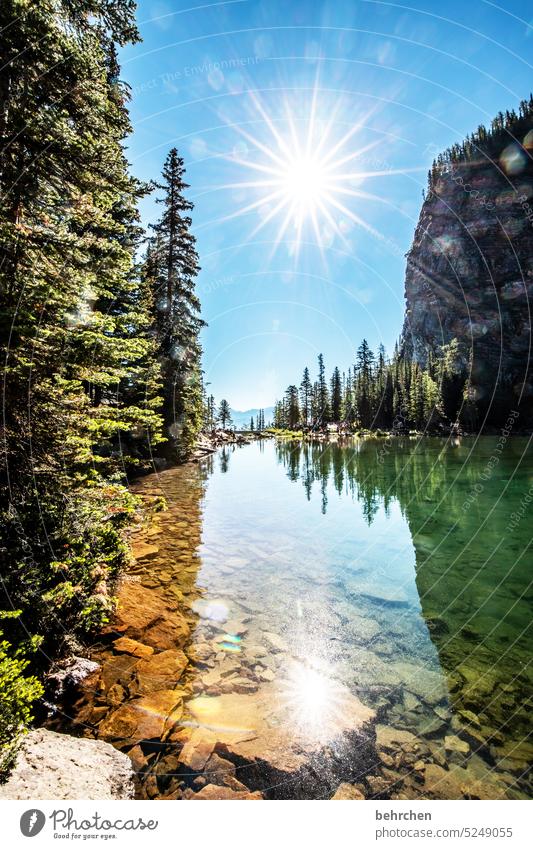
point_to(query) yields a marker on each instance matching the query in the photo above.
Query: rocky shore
(212, 698)
(208, 442)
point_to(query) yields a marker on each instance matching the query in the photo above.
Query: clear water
(398, 571)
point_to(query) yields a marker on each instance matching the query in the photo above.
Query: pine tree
(171, 268)
(252, 424)
(336, 395)
(363, 385)
(292, 407)
(80, 382)
(306, 392)
(348, 414)
(224, 414)
(323, 413)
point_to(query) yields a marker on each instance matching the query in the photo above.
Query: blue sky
(294, 264)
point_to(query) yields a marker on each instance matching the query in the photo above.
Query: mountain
(470, 267)
(241, 418)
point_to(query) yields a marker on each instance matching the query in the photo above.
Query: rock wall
(470, 272)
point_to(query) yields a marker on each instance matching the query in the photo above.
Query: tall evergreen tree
(364, 387)
(336, 395)
(79, 381)
(323, 413)
(224, 414)
(171, 268)
(292, 407)
(306, 394)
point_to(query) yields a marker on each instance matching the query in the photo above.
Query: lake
(304, 614)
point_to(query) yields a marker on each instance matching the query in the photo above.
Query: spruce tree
(323, 413)
(171, 268)
(306, 390)
(79, 377)
(224, 414)
(336, 395)
(292, 406)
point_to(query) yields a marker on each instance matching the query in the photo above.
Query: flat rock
(161, 671)
(118, 669)
(428, 685)
(218, 770)
(458, 783)
(143, 615)
(388, 737)
(57, 766)
(144, 551)
(452, 743)
(275, 642)
(347, 791)
(146, 718)
(133, 647)
(214, 791)
(198, 749)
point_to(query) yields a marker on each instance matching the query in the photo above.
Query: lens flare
(305, 175)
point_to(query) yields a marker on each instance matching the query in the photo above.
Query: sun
(305, 185)
(305, 175)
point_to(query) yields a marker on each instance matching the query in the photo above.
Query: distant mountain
(241, 418)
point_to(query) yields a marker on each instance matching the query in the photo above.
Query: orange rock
(143, 719)
(160, 671)
(213, 791)
(129, 646)
(198, 749)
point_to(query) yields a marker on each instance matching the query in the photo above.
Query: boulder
(57, 766)
(143, 615)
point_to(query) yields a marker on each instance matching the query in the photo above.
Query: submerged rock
(160, 671)
(56, 766)
(198, 749)
(146, 718)
(347, 791)
(215, 791)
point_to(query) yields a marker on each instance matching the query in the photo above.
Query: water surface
(379, 586)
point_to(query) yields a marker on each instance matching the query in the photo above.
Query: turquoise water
(404, 567)
(384, 582)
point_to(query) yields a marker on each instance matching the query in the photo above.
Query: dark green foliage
(485, 145)
(224, 414)
(81, 381)
(395, 394)
(336, 395)
(169, 271)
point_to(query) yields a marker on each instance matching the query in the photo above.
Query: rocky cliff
(470, 268)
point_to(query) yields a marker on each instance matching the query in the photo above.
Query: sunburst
(305, 176)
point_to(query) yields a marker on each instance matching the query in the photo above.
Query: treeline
(101, 358)
(220, 416)
(506, 128)
(378, 392)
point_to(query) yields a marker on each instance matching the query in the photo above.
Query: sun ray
(307, 176)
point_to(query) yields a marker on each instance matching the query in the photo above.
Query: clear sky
(307, 129)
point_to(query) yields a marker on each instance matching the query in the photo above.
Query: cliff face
(470, 269)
